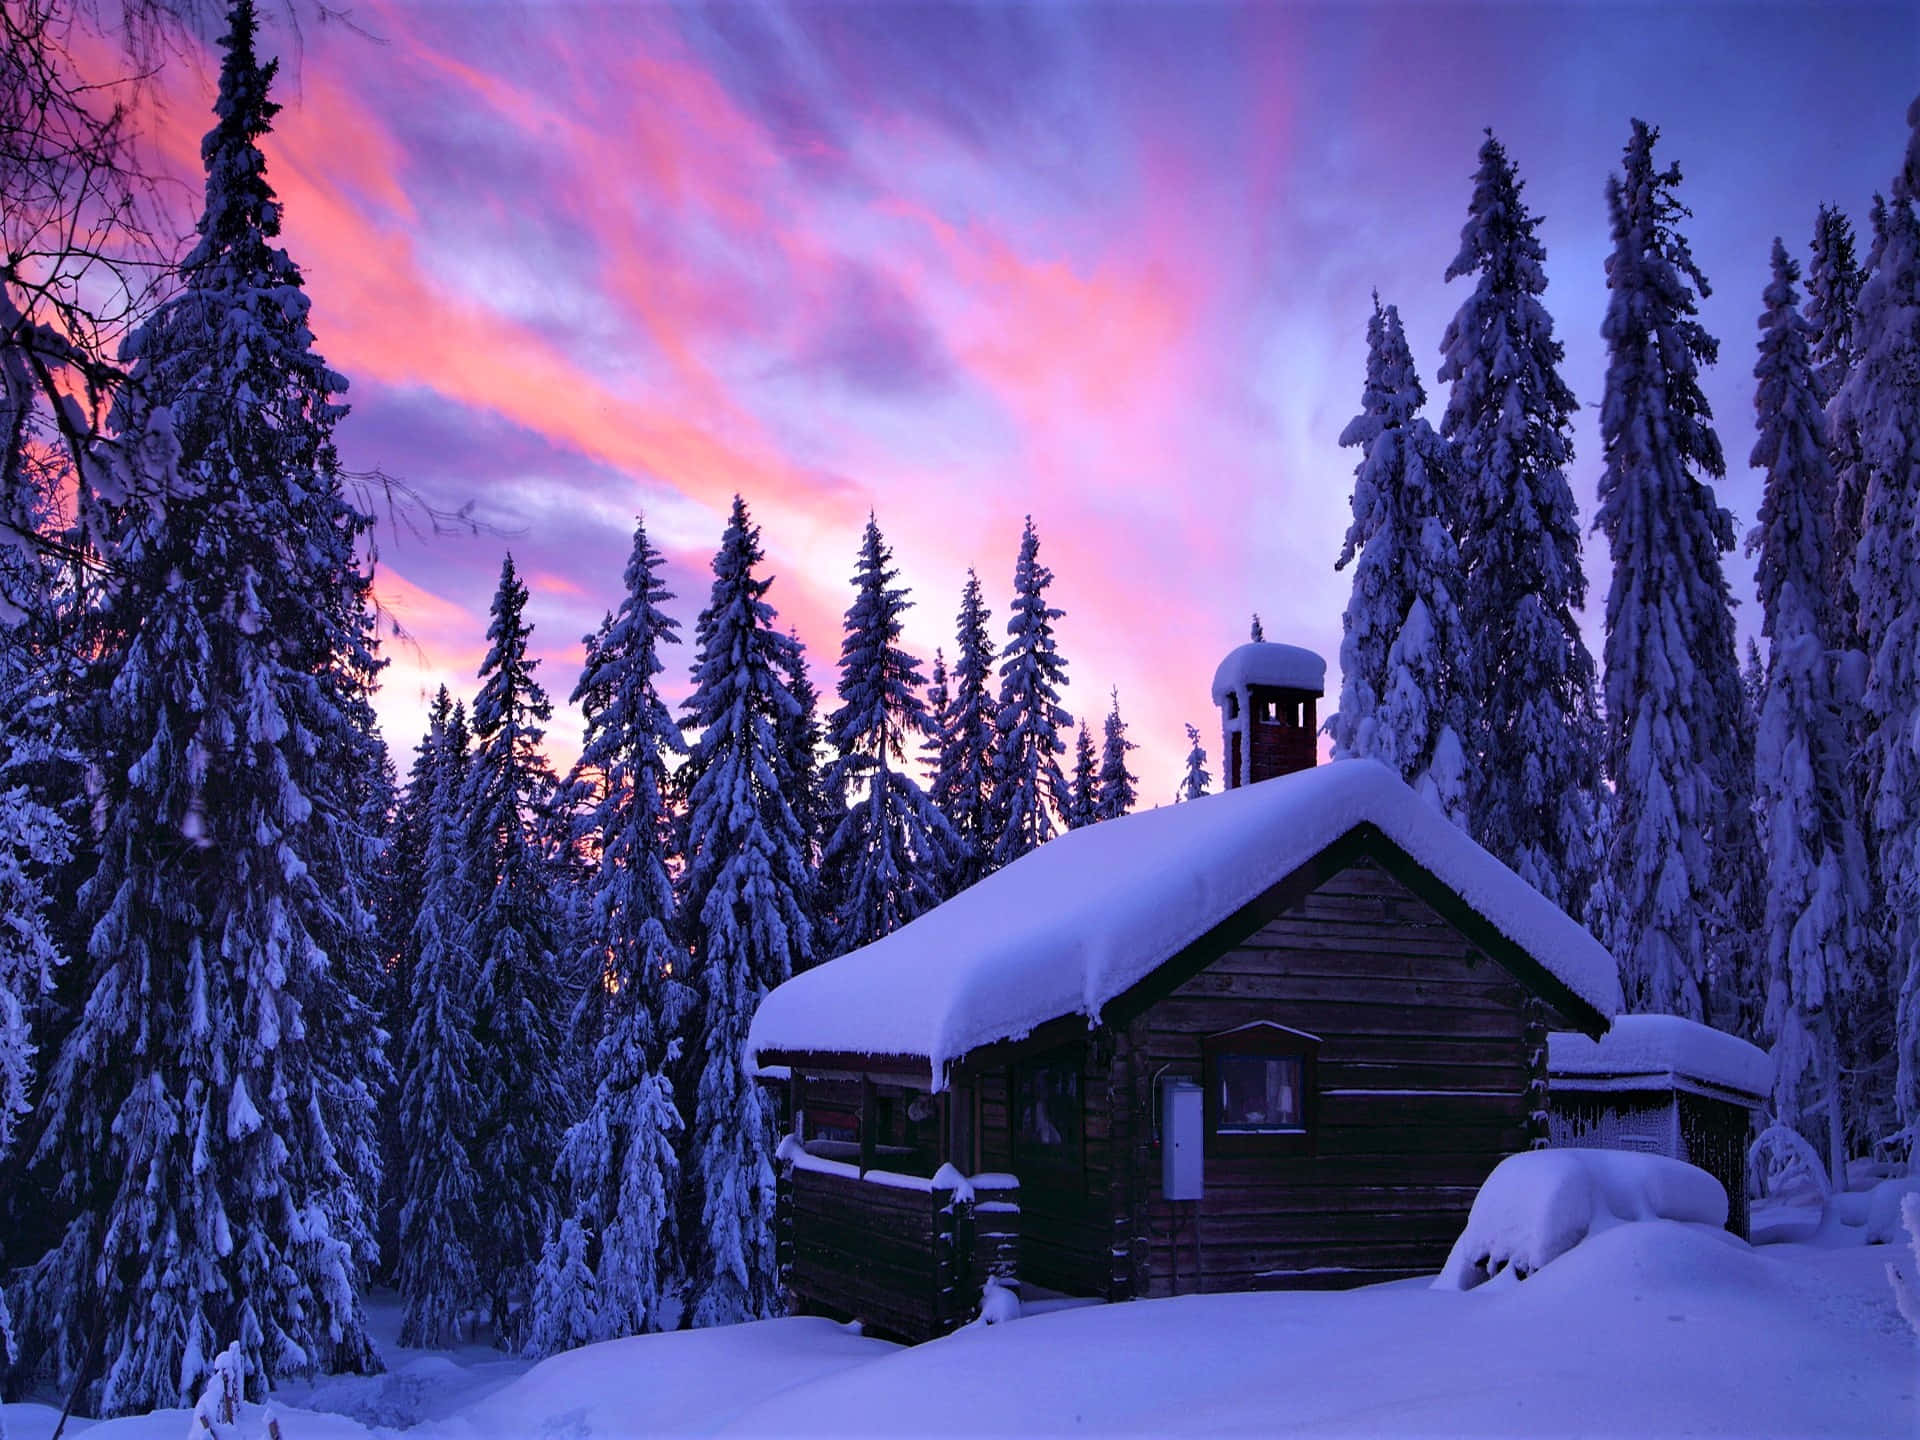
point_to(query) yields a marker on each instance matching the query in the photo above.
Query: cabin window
(1259, 1082)
(825, 1124)
(1047, 1111)
(1260, 1094)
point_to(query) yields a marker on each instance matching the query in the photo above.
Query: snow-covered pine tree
(1407, 667)
(1674, 703)
(35, 843)
(1027, 784)
(1509, 414)
(1833, 293)
(406, 867)
(963, 784)
(565, 1305)
(188, 1111)
(517, 939)
(743, 899)
(1196, 781)
(893, 848)
(1816, 883)
(809, 783)
(437, 1227)
(351, 998)
(607, 1270)
(934, 742)
(1257, 632)
(1879, 405)
(1117, 792)
(1083, 787)
(35, 839)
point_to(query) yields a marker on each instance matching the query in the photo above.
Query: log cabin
(1272, 1037)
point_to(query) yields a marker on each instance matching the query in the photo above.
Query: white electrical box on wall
(1182, 1147)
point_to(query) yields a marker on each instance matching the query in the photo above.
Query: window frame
(1265, 1040)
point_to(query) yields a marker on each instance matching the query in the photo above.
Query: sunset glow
(957, 265)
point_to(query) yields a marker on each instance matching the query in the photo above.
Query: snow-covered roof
(1075, 923)
(1262, 662)
(1644, 1052)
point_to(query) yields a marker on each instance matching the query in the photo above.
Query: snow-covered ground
(1644, 1329)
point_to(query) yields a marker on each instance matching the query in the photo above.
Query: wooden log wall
(1424, 1069)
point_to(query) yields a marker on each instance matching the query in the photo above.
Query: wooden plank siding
(1427, 1075)
(1422, 1087)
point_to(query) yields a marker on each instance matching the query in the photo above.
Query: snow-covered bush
(1782, 1161)
(1540, 1204)
(217, 1413)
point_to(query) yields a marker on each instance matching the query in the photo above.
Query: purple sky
(1108, 265)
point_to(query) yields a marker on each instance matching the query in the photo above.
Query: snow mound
(1538, 1205)
(1287, 667)
(1661, 1051)
(1070, 926)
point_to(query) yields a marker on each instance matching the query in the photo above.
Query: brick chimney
(1267, 696)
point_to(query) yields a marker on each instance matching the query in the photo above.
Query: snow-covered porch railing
(908, 1255)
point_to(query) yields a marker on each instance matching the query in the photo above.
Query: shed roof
(1644, 1052)
(1261, 662)
(1075, 924)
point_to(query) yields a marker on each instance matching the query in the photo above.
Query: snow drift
(1538, 1205)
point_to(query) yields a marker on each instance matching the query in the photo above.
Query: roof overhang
(1364, 841)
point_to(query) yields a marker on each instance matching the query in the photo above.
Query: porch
(909, 1256)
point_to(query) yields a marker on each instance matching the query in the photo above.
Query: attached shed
(1272, 1037)
(1665, 1085)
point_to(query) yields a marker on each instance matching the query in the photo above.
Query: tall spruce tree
(963, 782)
(1674, 703)
(809, 783)
(1833, 293)
(188, 1113)
(1816, 881)
(1879, 408)
(518, 942)
(1118, 789)
(36, 843)
(437, 1201)
(1197, 781)
(1028, 787)
(743, 898)
(36, 840)
(1509, 413)
(939, 717)
(607, 1270)
(1083, 787)
(892, 847)
(406, 866)
(1407, 670)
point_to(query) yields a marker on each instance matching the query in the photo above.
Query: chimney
(1267, 696)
